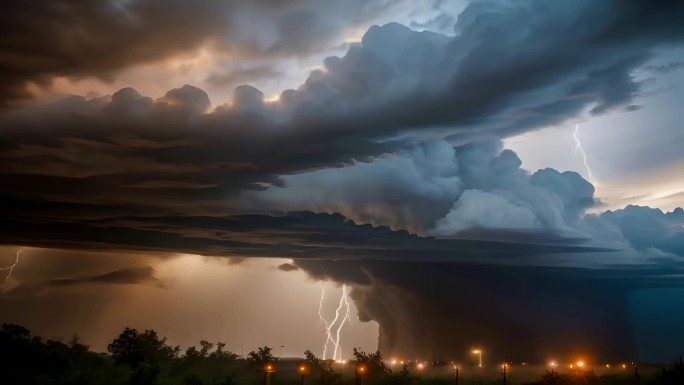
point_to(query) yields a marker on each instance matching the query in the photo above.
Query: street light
(479, 354)
(456, 367)
(580, 366)
(504, 366)
(553, 365)
(302, 371)
(268, 369)
(360, 370)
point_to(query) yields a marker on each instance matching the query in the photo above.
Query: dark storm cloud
(296, 235)
(234, 77)
(132, 153)
(80, 39)
(287, 267)
(125, 276)
(133, 275)
(666, 68)
(517, 313)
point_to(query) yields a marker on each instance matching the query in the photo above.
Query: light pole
(505, 366)
(302, 371)
(580, 366)
(360, 370)
(456, 367)
(479, 354)
(268, 369)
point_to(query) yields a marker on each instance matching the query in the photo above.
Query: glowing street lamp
(580, 366)
(456, 367)
(479, 354)
(268, 369)
(504, 367)
(302, 371)
(360, 371)
(553, 365)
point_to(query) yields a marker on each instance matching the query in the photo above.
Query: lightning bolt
(327, 326)
(11, 268)
(330, 336)
(585, 158)
(343, 302)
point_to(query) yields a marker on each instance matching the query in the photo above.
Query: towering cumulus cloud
(384, 170)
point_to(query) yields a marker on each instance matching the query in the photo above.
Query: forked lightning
(333, 337)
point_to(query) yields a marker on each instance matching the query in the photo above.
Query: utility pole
(636, 370)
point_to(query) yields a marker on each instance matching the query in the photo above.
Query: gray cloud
(397, 84)
(95, 39)
(234, 77)
(287, 267)
(667, 67)
(441, 190)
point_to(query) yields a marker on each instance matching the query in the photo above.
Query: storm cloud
(85, 39)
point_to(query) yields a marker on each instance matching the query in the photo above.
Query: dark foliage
(670, 375)
(147, 359)
(133, 348)
(261, 356)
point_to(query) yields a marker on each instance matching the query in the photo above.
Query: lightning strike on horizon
(325, 322)
(11, 268)
(344, 302)
(585, 158)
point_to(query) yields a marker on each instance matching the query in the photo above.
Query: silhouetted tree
(219, 353)
(133, 348)
(321, 372)
(261, 356)
(372, 361)
(192, 354)
(206, 347)
(76, 345)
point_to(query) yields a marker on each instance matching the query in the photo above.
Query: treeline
(145, 358)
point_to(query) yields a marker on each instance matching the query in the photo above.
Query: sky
(499, 174)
